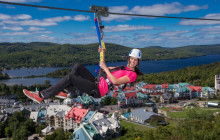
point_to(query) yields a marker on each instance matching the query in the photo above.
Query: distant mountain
(36, 54)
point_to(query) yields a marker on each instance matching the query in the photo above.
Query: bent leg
(79, 77)
(56, 88)
(89, 87)
(80, 70)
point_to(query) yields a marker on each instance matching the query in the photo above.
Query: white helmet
(135, 53)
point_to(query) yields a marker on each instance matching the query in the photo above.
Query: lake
(145, 67)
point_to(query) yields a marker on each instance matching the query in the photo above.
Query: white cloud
(40, 38)
(167, 8)
(22, 16)
(37, 22)
(12, 28)
(177, 38)
(118, 9)
(194, 8)
(15, 33)
(24, 33)
(210, 30)
(173, 33)
(117, 39)
(35, 29)
(42, 32)
(202, 22)
(121, 28)
(81, 18)
(4, 17)
(84, 36)
(58, 19)
(26, 20)
(156, 9)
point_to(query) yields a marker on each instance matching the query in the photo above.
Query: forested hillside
(41, 54)
(202, 75)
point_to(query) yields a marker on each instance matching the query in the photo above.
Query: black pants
(80, 78)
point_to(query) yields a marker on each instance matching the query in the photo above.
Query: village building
(140, 86)
(131, 98)
(126, 116)
(165, 88)
(59, 118)
(208, 92)
(7, 103)
(86, 102)
(41, 116)
(182, 93)
(159, 88)
(121, 100)
(166, 98)
(51, 111)
(34, 115)
(142, 98)
(74, 117)
(97, 116)
(194, 91)
(88, 116)
(144, 116)
(150, 88)
(217, 82)
(86, 132)
(48, 130)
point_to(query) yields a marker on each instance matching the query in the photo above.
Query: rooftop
(77, 114)
(143, 114)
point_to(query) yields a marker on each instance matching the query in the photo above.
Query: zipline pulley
(100, 11)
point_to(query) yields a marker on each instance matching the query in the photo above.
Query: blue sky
(27, 24)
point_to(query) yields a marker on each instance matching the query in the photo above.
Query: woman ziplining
(82, 79)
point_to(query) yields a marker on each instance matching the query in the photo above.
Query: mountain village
(87, 118)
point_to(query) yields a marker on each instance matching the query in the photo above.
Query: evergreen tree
(2, 129)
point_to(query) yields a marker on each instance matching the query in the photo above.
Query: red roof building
(165, 86)
(195, 88)
(77, 114)
(131, 94)
(129, 88)
(150, 86)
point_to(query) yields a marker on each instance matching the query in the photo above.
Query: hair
(137, 70)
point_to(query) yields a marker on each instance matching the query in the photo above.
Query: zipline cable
(47, 7)
(66, 9)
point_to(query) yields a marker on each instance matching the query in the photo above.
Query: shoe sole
(31, 98)
(61, 97)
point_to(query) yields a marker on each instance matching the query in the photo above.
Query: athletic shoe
(61, 95)
(33, 95)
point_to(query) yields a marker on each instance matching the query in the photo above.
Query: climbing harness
(98, 12)
(110, 85)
